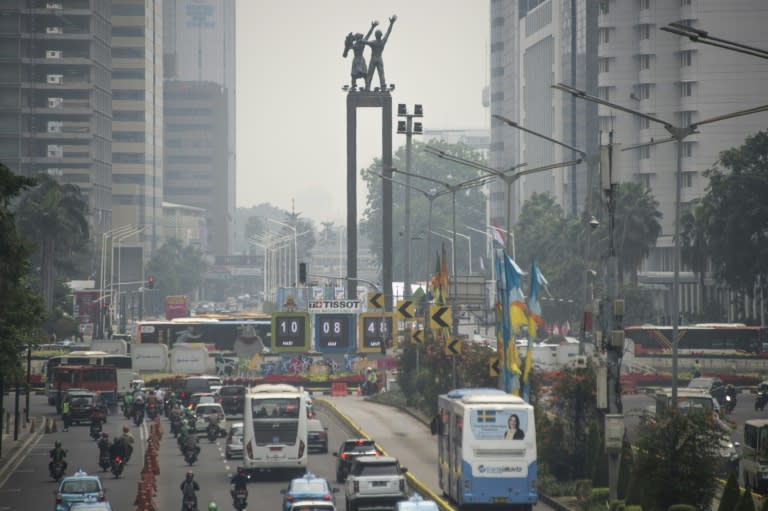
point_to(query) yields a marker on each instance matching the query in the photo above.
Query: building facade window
(686, 117)
(645, 31)
(644, 90)
(645, 152)
(686, 58)
(645, 180)
(645, 61)
(605, 35)
(687, 89)
(605, 65)
(645, 4)
(688, 179)
(688, 149)
(645, 123)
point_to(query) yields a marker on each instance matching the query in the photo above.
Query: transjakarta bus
(481, 458)
(275, 428)
(716, 339)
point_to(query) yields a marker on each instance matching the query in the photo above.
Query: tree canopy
(177, 269)
(735, 214)
(21, 305)
(470, 210)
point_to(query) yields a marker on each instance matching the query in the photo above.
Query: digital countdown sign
(290, 332)
(375, 328)
(334, 332)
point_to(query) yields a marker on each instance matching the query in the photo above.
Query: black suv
(81, 406)
(232, 399)
(348, 451)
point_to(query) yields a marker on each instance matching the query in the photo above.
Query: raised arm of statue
(370, 30)
(389, 30)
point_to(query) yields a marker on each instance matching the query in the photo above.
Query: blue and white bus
(486, 448)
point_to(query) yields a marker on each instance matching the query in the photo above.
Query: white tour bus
(486, 448)
(275, 428)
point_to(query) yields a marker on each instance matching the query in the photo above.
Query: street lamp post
(116, 296)
(469, 246)
(409, 128)
(677, 134)
(295, 247)
(103, 273)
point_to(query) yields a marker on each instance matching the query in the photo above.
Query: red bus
(176, 306)
(715, 339)
(95, 378)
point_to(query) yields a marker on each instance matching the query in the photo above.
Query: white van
(214, 382)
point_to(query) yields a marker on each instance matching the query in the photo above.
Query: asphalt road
(29, 487)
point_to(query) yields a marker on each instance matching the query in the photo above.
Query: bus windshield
(286, 408)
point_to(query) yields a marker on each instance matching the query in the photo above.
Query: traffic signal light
(150, 282)
(302, 273)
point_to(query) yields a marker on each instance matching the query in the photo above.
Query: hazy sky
(291, 146)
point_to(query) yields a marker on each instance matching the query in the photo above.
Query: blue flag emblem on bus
(486, 416)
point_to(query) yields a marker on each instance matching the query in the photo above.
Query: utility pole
(614, 335)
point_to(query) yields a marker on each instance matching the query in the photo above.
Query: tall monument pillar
(369, 99)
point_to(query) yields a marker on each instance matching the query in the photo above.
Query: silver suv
(375, 481)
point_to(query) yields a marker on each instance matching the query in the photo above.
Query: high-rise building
(199, 45)
(534, 45)
(622, 56)
(196, 153)
(55, 105)
(137, 114)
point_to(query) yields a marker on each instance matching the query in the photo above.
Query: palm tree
(55, 217)
(694, 246)
(636, 228)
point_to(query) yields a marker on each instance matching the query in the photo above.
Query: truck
(176, 306)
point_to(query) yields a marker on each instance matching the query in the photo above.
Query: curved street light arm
(469, 163)
(702, 36)
(512, 123)
(583, 95)
(740, 113)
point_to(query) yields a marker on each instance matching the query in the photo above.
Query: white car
(203, 411)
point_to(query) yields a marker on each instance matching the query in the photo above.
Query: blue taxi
(308, 487)
(78, 488)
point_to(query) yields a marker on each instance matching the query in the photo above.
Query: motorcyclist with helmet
(730, 398)
(239, 482)
(127, 439)
(189, 487)
(103, 443)
(213, 507)
(57, 454)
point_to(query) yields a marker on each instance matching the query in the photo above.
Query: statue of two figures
(357, 43)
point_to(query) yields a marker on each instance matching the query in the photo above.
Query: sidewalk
(13, 451)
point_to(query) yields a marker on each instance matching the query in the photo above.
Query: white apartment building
(679, 81)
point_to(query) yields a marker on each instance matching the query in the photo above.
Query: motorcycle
(57, 470)
(138, 418)
(190, 456)
(175, 427)
(117, 466)
(761, 401)
(240, 499)
(730, 404)
(104, 461)
(212, 432)
(151, 412)
(127, 410)
(95, 429)
(189, 504)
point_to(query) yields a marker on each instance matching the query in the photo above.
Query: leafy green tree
(55, 217)
(735, 214)
(544, 233)
(22, 307)
(746, 502)
(677, 446)
(178, 269)
(731, 493)
(470, 209)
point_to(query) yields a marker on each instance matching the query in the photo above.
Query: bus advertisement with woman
(486, 448)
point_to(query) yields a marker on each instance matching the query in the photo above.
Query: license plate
(379, 483)
(273, 449)
(499, 500)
